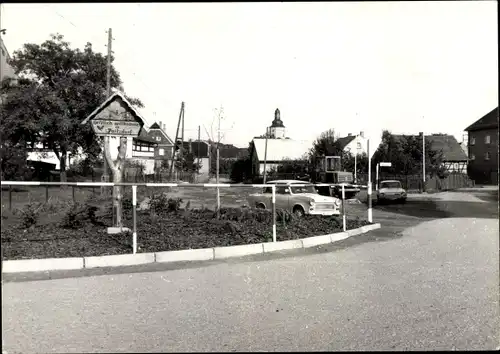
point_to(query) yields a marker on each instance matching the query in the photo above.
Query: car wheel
(260, 206)
(402, 200)
(298, 211)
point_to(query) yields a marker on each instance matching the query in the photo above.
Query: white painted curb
(119, 260)
(339, 236)
(202, 254)
(282, 245)
(316, 241)
(40, 265)
(238, 251)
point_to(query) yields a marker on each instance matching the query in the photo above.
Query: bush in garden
(30, 214)
(158, 203)
(78, 213)
(127, 206)
(283, 215)
(174, 205)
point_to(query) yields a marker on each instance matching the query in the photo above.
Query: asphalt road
(433, 284)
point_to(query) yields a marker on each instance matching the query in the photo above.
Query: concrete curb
(282, 245)
(238, 251)
(40, 265)
(203, 254)
(316, 241)
(119, 260)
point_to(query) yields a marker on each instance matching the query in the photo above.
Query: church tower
(277, 127)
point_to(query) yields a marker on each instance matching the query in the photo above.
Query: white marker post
(370, 217)
(134, 208)
(344, 227)
(274, 212)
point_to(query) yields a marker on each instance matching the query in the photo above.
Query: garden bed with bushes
(79, 229)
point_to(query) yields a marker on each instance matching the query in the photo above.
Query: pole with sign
(380, 164)
(117, 118)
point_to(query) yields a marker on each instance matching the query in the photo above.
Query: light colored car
(391, 190)
(297, 199)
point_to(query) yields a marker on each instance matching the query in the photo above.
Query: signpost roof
(111, 99)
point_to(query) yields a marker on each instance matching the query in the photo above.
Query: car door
(267, 197)
(282, 197)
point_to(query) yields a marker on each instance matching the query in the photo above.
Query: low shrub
(78, 214)
(30, 214)
(158, 203)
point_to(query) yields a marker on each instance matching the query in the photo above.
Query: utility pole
(181, 113)
(105, 176)
(265, 155)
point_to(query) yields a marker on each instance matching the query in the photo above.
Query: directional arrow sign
(385, 164)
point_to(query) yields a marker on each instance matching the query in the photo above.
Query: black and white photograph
(249, 176)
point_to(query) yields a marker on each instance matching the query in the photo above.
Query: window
(305, 189)
(158, 138)
(359, 146)
(472, 157)
(487, 139)
(162, 152)
(142, 146)
(281, 190)
(487, 156)
(473, 141)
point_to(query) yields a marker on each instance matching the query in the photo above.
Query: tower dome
(277, 127)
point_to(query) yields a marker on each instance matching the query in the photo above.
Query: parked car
(297, 199)
(391, 191)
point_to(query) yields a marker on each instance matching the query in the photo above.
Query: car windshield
(304, 189)
(392, 185)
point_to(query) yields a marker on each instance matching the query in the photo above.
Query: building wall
(360, 142)
(480, 169)
(269, 166)
(5, 69)
(278, 132)
(48, 156)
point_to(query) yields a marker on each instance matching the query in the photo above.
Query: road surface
(433, 284)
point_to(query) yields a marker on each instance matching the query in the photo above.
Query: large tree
(405, 154)
(59, 86)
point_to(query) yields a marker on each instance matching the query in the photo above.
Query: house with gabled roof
(483, 149)
(149, 148)
(279, 147)
(353, 143)
(453, 159)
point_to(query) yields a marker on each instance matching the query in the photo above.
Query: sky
(351, 66)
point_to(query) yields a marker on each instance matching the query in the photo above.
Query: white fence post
(274, 212)
(344, 227)
(134, 208)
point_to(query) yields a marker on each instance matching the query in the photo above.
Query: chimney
(349, 134)
(362, 134)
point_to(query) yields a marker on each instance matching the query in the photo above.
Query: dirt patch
(166, 231)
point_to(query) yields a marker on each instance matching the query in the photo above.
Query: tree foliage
(187, 162)
(405, 154)
(59, 86)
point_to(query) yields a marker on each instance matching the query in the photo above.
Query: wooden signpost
(116, 117)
